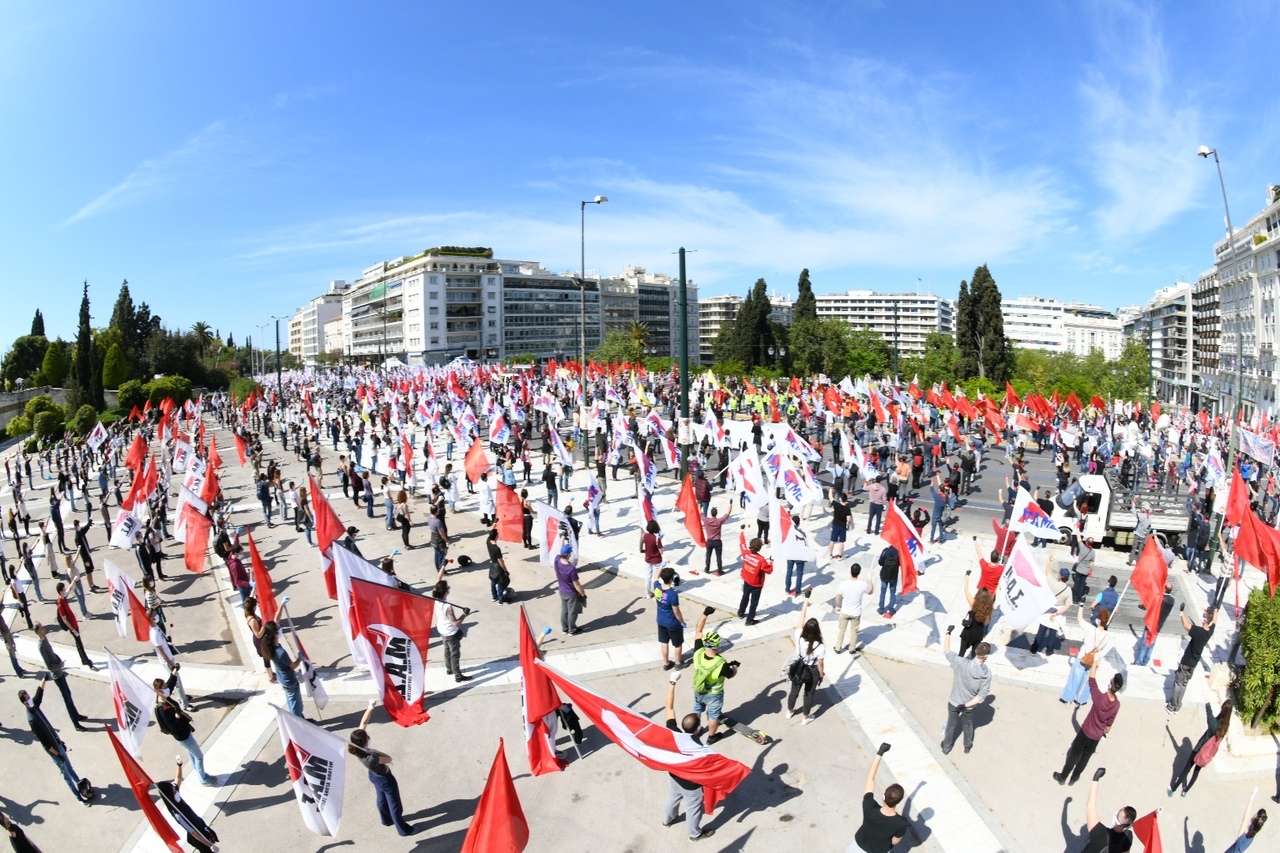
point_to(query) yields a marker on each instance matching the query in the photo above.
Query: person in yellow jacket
(710, 671)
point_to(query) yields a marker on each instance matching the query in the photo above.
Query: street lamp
(1205, 151)
(279, 381)
(262, 360)
(582, 314)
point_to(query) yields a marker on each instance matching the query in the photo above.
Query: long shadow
(441, 814)
(759, 792)
(1073, 839)
(1181, 752)
(24, 815)
(235, 806)
(623, 616)
(451, 841)
(334, 845)
(193, 646)
(920, 823)
(313, 618)
(985, 712)
(21, 736)
(1192, 841)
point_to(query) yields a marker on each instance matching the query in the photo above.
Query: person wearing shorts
(670, 619)
(839, 525)
(710, 670)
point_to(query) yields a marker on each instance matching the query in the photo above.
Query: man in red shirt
(712, 524)
(67, 620)
(991, 569)
(754, 568)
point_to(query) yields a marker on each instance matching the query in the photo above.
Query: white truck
(1110, 512)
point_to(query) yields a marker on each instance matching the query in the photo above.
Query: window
(493, 324)
(435, 341)
(435, 294)
(493, 309)
(435, 326)
(435, 279)
(435, 309)
(491, 295)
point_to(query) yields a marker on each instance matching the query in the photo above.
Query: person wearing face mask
(1116, 837)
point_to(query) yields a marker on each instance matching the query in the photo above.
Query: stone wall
(13, 402)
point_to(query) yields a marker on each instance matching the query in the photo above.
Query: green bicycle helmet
(711, 640)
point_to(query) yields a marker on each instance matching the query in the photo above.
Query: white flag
(182, 454)
(133, 699)
(346, 566)
(1028, 515)
(96, 437)
(120, 586)
(1023, 594)
(317, 763)
(552, 524)
(745, 470)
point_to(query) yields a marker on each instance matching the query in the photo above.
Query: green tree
(24, 358)
(86, 417)
(820, 346)
(49, 425)
(88, 373)
(806, 307)
(617, 346)
(984, 350)
(869, 353)
(638, 334)
(938, 364)
(203, 336)
(37, 324)
(130, 394)
(42, 403)
(752, 329)
(53, 369)
(1130, 376)
(115, 369)
(18, 426)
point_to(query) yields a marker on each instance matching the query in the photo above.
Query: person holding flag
(178, 724)
(199, 834)
(682, 791)
(390, 808)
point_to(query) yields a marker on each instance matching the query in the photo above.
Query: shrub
(42, 403)
(241, 389)
(217, 378)
(21, 425)
(175, 388)
(1257, 686)
(131, 394)
(110, 416)
(86, 416)
(32, 445)
(49, 425)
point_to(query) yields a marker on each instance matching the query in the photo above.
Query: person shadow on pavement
(1074, 839)
(1192, 841)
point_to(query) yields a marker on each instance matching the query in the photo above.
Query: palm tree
(638, 333)
(204, 336)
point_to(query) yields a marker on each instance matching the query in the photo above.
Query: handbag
(1208, 751)
(1087, 660)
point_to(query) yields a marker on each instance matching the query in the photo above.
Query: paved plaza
(804, 790)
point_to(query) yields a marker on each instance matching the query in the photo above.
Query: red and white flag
(124, 529)
(125, 605)
(1029, 516)
(394, 627)
(140, 783)
(133, 699)
(317, 763)
(96, 437)
(182, 454)
(328, 530)
(346, 566)
(539, 702)
(745, 470)
(899, 533)
(653, 744)
(551, 525)
(499, 824)
(1023, 594)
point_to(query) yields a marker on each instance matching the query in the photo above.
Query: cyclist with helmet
(710, 670)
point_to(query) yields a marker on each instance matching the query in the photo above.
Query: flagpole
(542, 638)
(1120, 598)
(293, 635)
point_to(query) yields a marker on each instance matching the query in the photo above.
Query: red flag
(1021, 421)
(1237, 499)
(688, 504)
(1147, 828)
(540, 700)
(134, 414)
(1259, 545)
(140, 782)
(652, 744)
(194, 550)
(1097, 402)
(1148, 580)
(954, 427)
(395, 627)
(1010, 396)
(1155, 410)
(209, 491)
(831, 400)
(328, 530)
(215, 458)
(476, 463)
(775, 416)
(899, 533)
(262, 584)
(137, 454)
(498, 825)
(239, 448)
(510, 515)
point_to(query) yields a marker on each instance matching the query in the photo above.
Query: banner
(347, 566)
(317, 763)
(125, 605)
(1023, 594)
(395, 627)
(133, 700)
(1260, 448)
(552, 525)
(1028, 516)
(125, 529)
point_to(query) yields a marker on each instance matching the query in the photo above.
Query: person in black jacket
(17, 837)
(48, 737)
(199, 834)
(177, 723)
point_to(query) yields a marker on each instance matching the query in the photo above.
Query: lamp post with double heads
(1205, 152)
(262, 359)
(279, 380)
(582, 322)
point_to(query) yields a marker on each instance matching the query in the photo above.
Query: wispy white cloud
(203, 153)
(1143, 126)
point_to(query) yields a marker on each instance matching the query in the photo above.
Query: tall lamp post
(262, 359)
(1205, 152)
(582, 322)
(279, 380)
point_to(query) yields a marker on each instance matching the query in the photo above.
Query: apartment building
(307, 328)
(904, 320)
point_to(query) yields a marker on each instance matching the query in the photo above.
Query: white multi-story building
(1032, 322)
(717, 311)
(1165, 325)
(333, 335)
(306, 329)
(641, 296)
(1206, 328)
(904, 320)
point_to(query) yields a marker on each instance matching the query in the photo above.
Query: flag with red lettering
(498, 824)
(394, 626)
(1148, 580)
(687, 503)
(653, 744)
(262, 584)
(316, 760)
(133, 700)
(329, 529)
(140, 783)
(540, 702)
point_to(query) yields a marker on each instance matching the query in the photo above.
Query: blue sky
(229, 159)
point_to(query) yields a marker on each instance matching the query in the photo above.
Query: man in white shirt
(849, 605)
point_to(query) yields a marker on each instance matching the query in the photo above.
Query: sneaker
(841, 651)
(753, 621)
(668, 665)
(807, 720)
(706, 833)
(1060, 778)
(888, 614)
(460, 677)
(791, 714)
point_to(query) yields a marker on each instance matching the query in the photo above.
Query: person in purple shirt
(713, 524)
(572, 596)
(1103, 711)
(239, 576)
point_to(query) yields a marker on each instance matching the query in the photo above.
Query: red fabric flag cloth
(775, 416)
(395, 627)
(510, 515)
(215, 458)
(1237, 499)
(476, 463)
(652, 744)
(1010, 396)
(137, 454)
(1021, 421)
(499, 824)
(209, 491)
(897, 531)
(687, 503)
(540, 700)
(1259, 545)
(134, 415)
(329, 529)
(1155, 410)
(239, 448)
(1097, 402)
(1148, 580)
(262, 584)
(1147, 828)
(831, 400)
(140, 783)
(196, 547)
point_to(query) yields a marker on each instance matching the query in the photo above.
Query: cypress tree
(37, 324)
(966, 342)
(988, 324)
(806, 307)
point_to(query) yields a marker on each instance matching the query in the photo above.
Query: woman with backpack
(1205, 750)
(809, 666)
